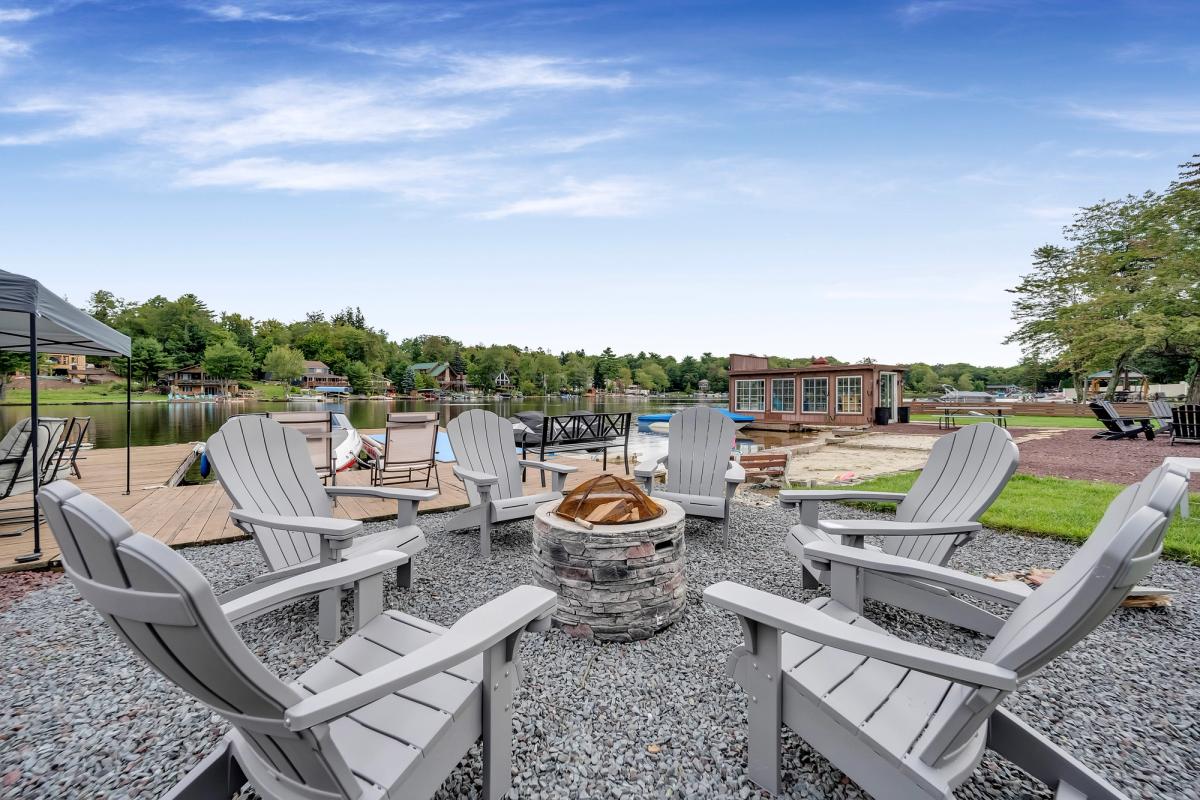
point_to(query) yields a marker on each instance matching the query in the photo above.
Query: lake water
(170, 423)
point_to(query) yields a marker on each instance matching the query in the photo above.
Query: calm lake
(170, 423)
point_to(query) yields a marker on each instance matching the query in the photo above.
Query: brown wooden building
(819, 395)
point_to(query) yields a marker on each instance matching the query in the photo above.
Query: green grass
(1056, 507)
(269, 391)
(1021, 421)
(97, 393)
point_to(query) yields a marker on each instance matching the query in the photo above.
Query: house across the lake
(192, 380)
(447, 378)
(317, 373)
(817, 396)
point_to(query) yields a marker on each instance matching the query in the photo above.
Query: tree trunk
(1111, 392)
(1080, 380)
(1193, 390)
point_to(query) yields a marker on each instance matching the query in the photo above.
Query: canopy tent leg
(128, 420)
(33, 441)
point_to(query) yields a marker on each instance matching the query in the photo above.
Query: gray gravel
(81, 717)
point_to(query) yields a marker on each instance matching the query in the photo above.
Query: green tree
(964, 383)
(148, 359)
(407, 382)
(283, 363)
(359, 377)
(228, 362)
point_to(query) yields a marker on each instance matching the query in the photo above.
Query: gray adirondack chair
(267, 471)
(702, 475)
(852, 568)
(388, 713)
(485, 452)
(1161, 411)
(907, 721)
(16, 463)
(965, 473)
(1118, 427)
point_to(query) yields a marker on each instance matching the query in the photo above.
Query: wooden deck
(189, 515)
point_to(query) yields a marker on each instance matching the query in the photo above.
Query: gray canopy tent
(34, 319)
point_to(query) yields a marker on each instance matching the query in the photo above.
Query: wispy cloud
(430, 180)
(287, 112)
(232, 13)
(1110, 152)
(1150, 53)
(1145, 119)
(829, 93)
(18, 14)
(614, 197)
(571, 144)
(923, 10)
(469, 74)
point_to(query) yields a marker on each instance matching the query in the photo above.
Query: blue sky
(851, 179)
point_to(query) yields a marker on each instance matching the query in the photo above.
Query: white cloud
(614, 197)
(922, 10)
(432, 180)
(17, 14)
(1106, 152)
(232, 13)
(471, 74)
(1145, 119)
(827, 93)
(571, 144)
(1148, 53)
(11, 47)
(282, 113)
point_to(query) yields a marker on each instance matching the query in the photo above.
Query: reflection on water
(169, 423)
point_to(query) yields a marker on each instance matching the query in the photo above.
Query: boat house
(816, 396)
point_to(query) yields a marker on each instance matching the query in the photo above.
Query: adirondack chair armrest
(546, 466)
(382, 493)
(735, 474)
(790, 497)
(891, 527)
(496, 623)
(788, 616)
(308, 583)
(1007, 592)
(648, 469)
(327, 527)
(478, 478)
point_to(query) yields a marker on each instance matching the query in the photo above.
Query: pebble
(83, 717)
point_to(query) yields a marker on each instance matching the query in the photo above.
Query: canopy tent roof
(1105, 374)
(61, 327)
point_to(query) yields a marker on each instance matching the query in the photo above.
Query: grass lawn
(269, 391)
(1022, 421)
(1058, 507)
(97, 393)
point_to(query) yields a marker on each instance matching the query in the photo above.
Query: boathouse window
(849, 395)
(750, 395)
(783, 394)
(816, 395)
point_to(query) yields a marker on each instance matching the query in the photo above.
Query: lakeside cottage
(317, 373)
(192, 380)
(447, 378)
(819, 395)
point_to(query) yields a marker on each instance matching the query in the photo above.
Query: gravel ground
(81, 717)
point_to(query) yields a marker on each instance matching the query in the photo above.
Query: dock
(180, 516)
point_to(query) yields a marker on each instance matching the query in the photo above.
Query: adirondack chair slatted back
(966, 471)
(484, 442)
(1104, 411)
(410, 438)
(699, 444)
(1160, 410)
(165, 610)
(266, 467)
(1185, 423)
(1061, 612)
(16, 444)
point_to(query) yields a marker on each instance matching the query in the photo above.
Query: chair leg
(404, 575)
(329, 614)
(1044, 760)
(764, 691)
(499, 686)
(725, 528)
(485, 532)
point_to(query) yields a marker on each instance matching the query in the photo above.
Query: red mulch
(1075, 454)
(15, 585)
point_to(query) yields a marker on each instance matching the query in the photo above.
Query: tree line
(1122, 291)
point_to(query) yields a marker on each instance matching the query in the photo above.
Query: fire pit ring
(615, 583)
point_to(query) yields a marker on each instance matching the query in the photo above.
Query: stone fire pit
(615, 583)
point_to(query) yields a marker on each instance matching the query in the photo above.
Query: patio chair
(389, 713)
(317, 427)
(1185, 424)
(409, 444)
(1118, 427)
(65, 458)
(1160, 410)
(903, 720)
(965, 473)
(485, 450)
(702, 474)
(852, 568)
(278, 500)
(16, 461)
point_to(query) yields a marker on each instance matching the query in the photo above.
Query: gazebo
(32, 319)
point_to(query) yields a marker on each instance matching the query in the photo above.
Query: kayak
(740, 419)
